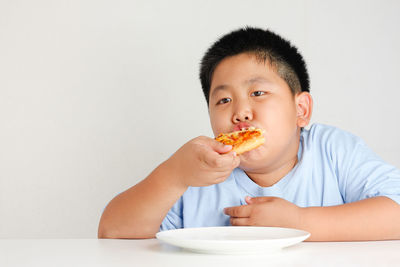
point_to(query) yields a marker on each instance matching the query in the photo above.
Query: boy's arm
(375, 218)
(139, 211)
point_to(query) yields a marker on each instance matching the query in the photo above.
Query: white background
(86, 88)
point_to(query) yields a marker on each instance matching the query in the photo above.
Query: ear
(304, 107)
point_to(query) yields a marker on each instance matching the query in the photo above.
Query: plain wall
(86, 88)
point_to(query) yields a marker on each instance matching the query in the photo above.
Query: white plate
(233, 239)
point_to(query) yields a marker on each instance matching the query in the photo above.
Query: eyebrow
(219, 88)
(257, 79)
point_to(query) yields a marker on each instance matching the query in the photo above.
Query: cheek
(279, 113)
(270, 114)
(218, 121)
(279, 120)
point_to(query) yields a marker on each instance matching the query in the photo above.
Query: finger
(243, 211)
(236, 160)
(248, 200)
(213, 145)
(224, 149)
(224, 162)
(220, 147)
(239, 221)
(255, 200)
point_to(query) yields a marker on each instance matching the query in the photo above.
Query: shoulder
(331, 142)
(326, 135)
(323, 132)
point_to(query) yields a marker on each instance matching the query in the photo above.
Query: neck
(271, 177)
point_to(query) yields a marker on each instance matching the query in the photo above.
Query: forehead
(242, 69)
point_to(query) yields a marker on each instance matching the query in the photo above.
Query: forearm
(370, 219)
(139, 211)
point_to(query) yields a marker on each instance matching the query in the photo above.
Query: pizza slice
(244, 140)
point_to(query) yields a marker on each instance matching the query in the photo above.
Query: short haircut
(266, 46)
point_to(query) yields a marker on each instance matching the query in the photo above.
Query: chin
(253, 159)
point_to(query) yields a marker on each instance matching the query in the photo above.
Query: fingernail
(227, 146)
(234, 153)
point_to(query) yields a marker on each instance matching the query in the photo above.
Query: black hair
(265, 45)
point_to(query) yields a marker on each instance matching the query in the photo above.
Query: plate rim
(200, 244)
(303, 232)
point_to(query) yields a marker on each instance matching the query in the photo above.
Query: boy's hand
(203, 161)
(265, 211)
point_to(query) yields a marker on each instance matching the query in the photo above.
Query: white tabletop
(93, 252)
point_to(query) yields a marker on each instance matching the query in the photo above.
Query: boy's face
(246, 92)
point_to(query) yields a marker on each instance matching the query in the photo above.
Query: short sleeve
(367, 175)
(174, 217)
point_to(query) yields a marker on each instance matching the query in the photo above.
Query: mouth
(241, 125)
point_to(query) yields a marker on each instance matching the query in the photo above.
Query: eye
(224, 101)
(258, 93)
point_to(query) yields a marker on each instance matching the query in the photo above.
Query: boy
(323, 180)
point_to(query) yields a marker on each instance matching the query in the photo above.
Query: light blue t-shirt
(334, 167)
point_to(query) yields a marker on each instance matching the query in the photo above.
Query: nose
(242, 114)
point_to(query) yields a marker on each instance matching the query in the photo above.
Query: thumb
(220, 147)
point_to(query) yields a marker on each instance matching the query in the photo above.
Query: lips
(240, 126)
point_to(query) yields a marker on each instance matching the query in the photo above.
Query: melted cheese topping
(239, 137)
